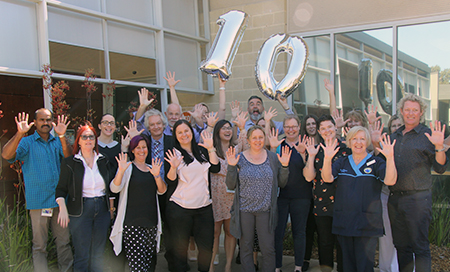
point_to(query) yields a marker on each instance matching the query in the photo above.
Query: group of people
(186, 179)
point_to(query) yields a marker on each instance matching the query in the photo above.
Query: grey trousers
(40, 225)
(266, 241)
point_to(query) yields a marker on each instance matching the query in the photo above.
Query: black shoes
(305, 266)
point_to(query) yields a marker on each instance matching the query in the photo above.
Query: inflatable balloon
(365, 81)
(385, 76)
(266, 60)
(223, 50)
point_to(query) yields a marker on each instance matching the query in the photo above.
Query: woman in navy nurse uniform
(357, 214)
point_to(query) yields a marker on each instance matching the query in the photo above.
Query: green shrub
(15, 239)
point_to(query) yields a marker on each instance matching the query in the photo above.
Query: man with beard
(255, 109)
(41, 154)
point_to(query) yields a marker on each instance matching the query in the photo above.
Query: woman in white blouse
(189, 208)
(84, 182)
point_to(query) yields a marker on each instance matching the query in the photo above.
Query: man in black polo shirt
(417, 150)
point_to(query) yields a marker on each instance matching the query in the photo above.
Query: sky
(429, 43)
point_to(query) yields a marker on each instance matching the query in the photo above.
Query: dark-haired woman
(189, 207)
(84, 182)
(138, 223)
(222, 199)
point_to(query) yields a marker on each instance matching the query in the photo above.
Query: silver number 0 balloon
(225, 46)
(266, 60)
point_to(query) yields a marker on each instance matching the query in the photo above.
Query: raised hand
(22, 123)
(235, 109)
(387, 148)
(232, 159)
(62, 125)
(156, 167)
(376, 131)
(329, 86)
(285, 156)
(301, 145)
(207, 138)
(173, 159)
(372, 114)
(143, 97)
(330, 149)
(283, 101)
(212, 118)
(437, 134)
(122, 161)
(273, 138)
(310, 147)
(338, 118)
(132, 130)
(345, 131)
(171, 79)
(125, 142)
(197, 112)
(268, 115)
(241, 119)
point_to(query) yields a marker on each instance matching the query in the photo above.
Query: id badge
(47, 212)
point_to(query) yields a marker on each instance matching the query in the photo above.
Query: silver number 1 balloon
(225, 46)
(266, 60)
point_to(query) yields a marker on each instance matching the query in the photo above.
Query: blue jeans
(89, 233)
(410, 216)
(298, 209)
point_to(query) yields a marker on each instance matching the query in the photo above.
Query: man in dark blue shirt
(416, 151)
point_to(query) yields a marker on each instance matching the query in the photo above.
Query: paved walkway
(288, 264)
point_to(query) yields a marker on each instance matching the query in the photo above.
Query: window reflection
(428, 63)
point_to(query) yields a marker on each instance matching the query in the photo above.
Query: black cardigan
(70, 185)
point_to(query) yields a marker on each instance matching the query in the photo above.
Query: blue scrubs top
(357, 207)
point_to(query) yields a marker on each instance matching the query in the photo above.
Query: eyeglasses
(291, 127)
(106, 123)
(227, 128)
(86, 137)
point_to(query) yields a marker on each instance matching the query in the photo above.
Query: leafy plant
(15, 241)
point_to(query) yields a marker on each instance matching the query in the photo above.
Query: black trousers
(327, 240)
(183, 222)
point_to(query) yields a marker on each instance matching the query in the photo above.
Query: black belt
(96, 197)
(410, 192)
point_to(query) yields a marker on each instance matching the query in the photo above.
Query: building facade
(133, 44)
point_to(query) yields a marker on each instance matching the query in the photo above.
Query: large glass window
(311, 96)
(426, 65)
(71, 59)
(74, 28)
(19, 37)
(138, 10)
(361, 58)
(187, 64)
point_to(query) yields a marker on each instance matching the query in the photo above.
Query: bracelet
(211, 150)
(284, 166)
(222, 88)
(211, 126)
(61, 136)
(113, 209)
(442, 149)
